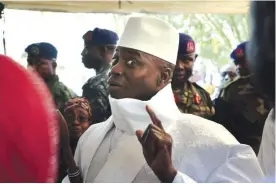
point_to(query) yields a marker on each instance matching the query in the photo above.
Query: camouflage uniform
(95, 90)
(243, 110)
(59, 91)
(195, 100)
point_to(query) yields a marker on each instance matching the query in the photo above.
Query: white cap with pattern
(152, 36)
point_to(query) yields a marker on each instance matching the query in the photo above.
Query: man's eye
(131, 62)
(114, 61)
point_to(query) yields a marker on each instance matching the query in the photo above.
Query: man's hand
(157, 149)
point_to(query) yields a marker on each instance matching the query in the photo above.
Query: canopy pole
(2, 15)
(4, 39)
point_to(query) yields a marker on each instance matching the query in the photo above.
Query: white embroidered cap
(152, 36)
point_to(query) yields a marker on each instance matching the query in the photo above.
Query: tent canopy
(125, 6)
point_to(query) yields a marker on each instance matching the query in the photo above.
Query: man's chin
(114, 92)
(180, 80)
(87, 65)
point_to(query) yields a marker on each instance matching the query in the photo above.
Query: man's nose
(84, 52)
(117, 69)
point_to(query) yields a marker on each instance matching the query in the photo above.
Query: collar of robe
(130, 115)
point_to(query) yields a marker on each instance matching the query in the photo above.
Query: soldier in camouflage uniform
(190, 97)
(99, 48)
(42, 58)
(241, 108)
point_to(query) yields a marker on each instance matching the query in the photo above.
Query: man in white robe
(175, 147)
(266, 153)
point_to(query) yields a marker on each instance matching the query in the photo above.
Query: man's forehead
(188, 56)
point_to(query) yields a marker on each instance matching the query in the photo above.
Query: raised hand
(63, 131)
(157, 149)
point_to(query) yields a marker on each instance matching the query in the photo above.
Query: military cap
(42, 50)
(186, 45)
(100, 37)
(239, 52)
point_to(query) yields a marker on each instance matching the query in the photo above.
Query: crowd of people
(140, 119)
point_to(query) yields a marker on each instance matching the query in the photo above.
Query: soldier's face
(77, 119)
(44, 67)
(242, 69)
(184, 68)
(91, 57)
(136, 75)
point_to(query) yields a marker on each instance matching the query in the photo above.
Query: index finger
(153, 118)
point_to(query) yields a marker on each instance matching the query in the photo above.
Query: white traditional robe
(266, 153)
(203, 151)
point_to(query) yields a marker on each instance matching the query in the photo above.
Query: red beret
(29, 131)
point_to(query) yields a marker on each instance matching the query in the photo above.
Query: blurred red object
(29, 131)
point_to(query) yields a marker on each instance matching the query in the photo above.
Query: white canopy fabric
(125, 6)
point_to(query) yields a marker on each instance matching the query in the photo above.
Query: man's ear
(104, 49)
(54, 65)
(166, 75)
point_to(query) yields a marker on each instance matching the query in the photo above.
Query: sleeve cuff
(182, 178)
(66, 179)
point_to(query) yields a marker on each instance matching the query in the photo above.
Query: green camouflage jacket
(59, 91)
(247, 109)
(193, 99)
(95, 90)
